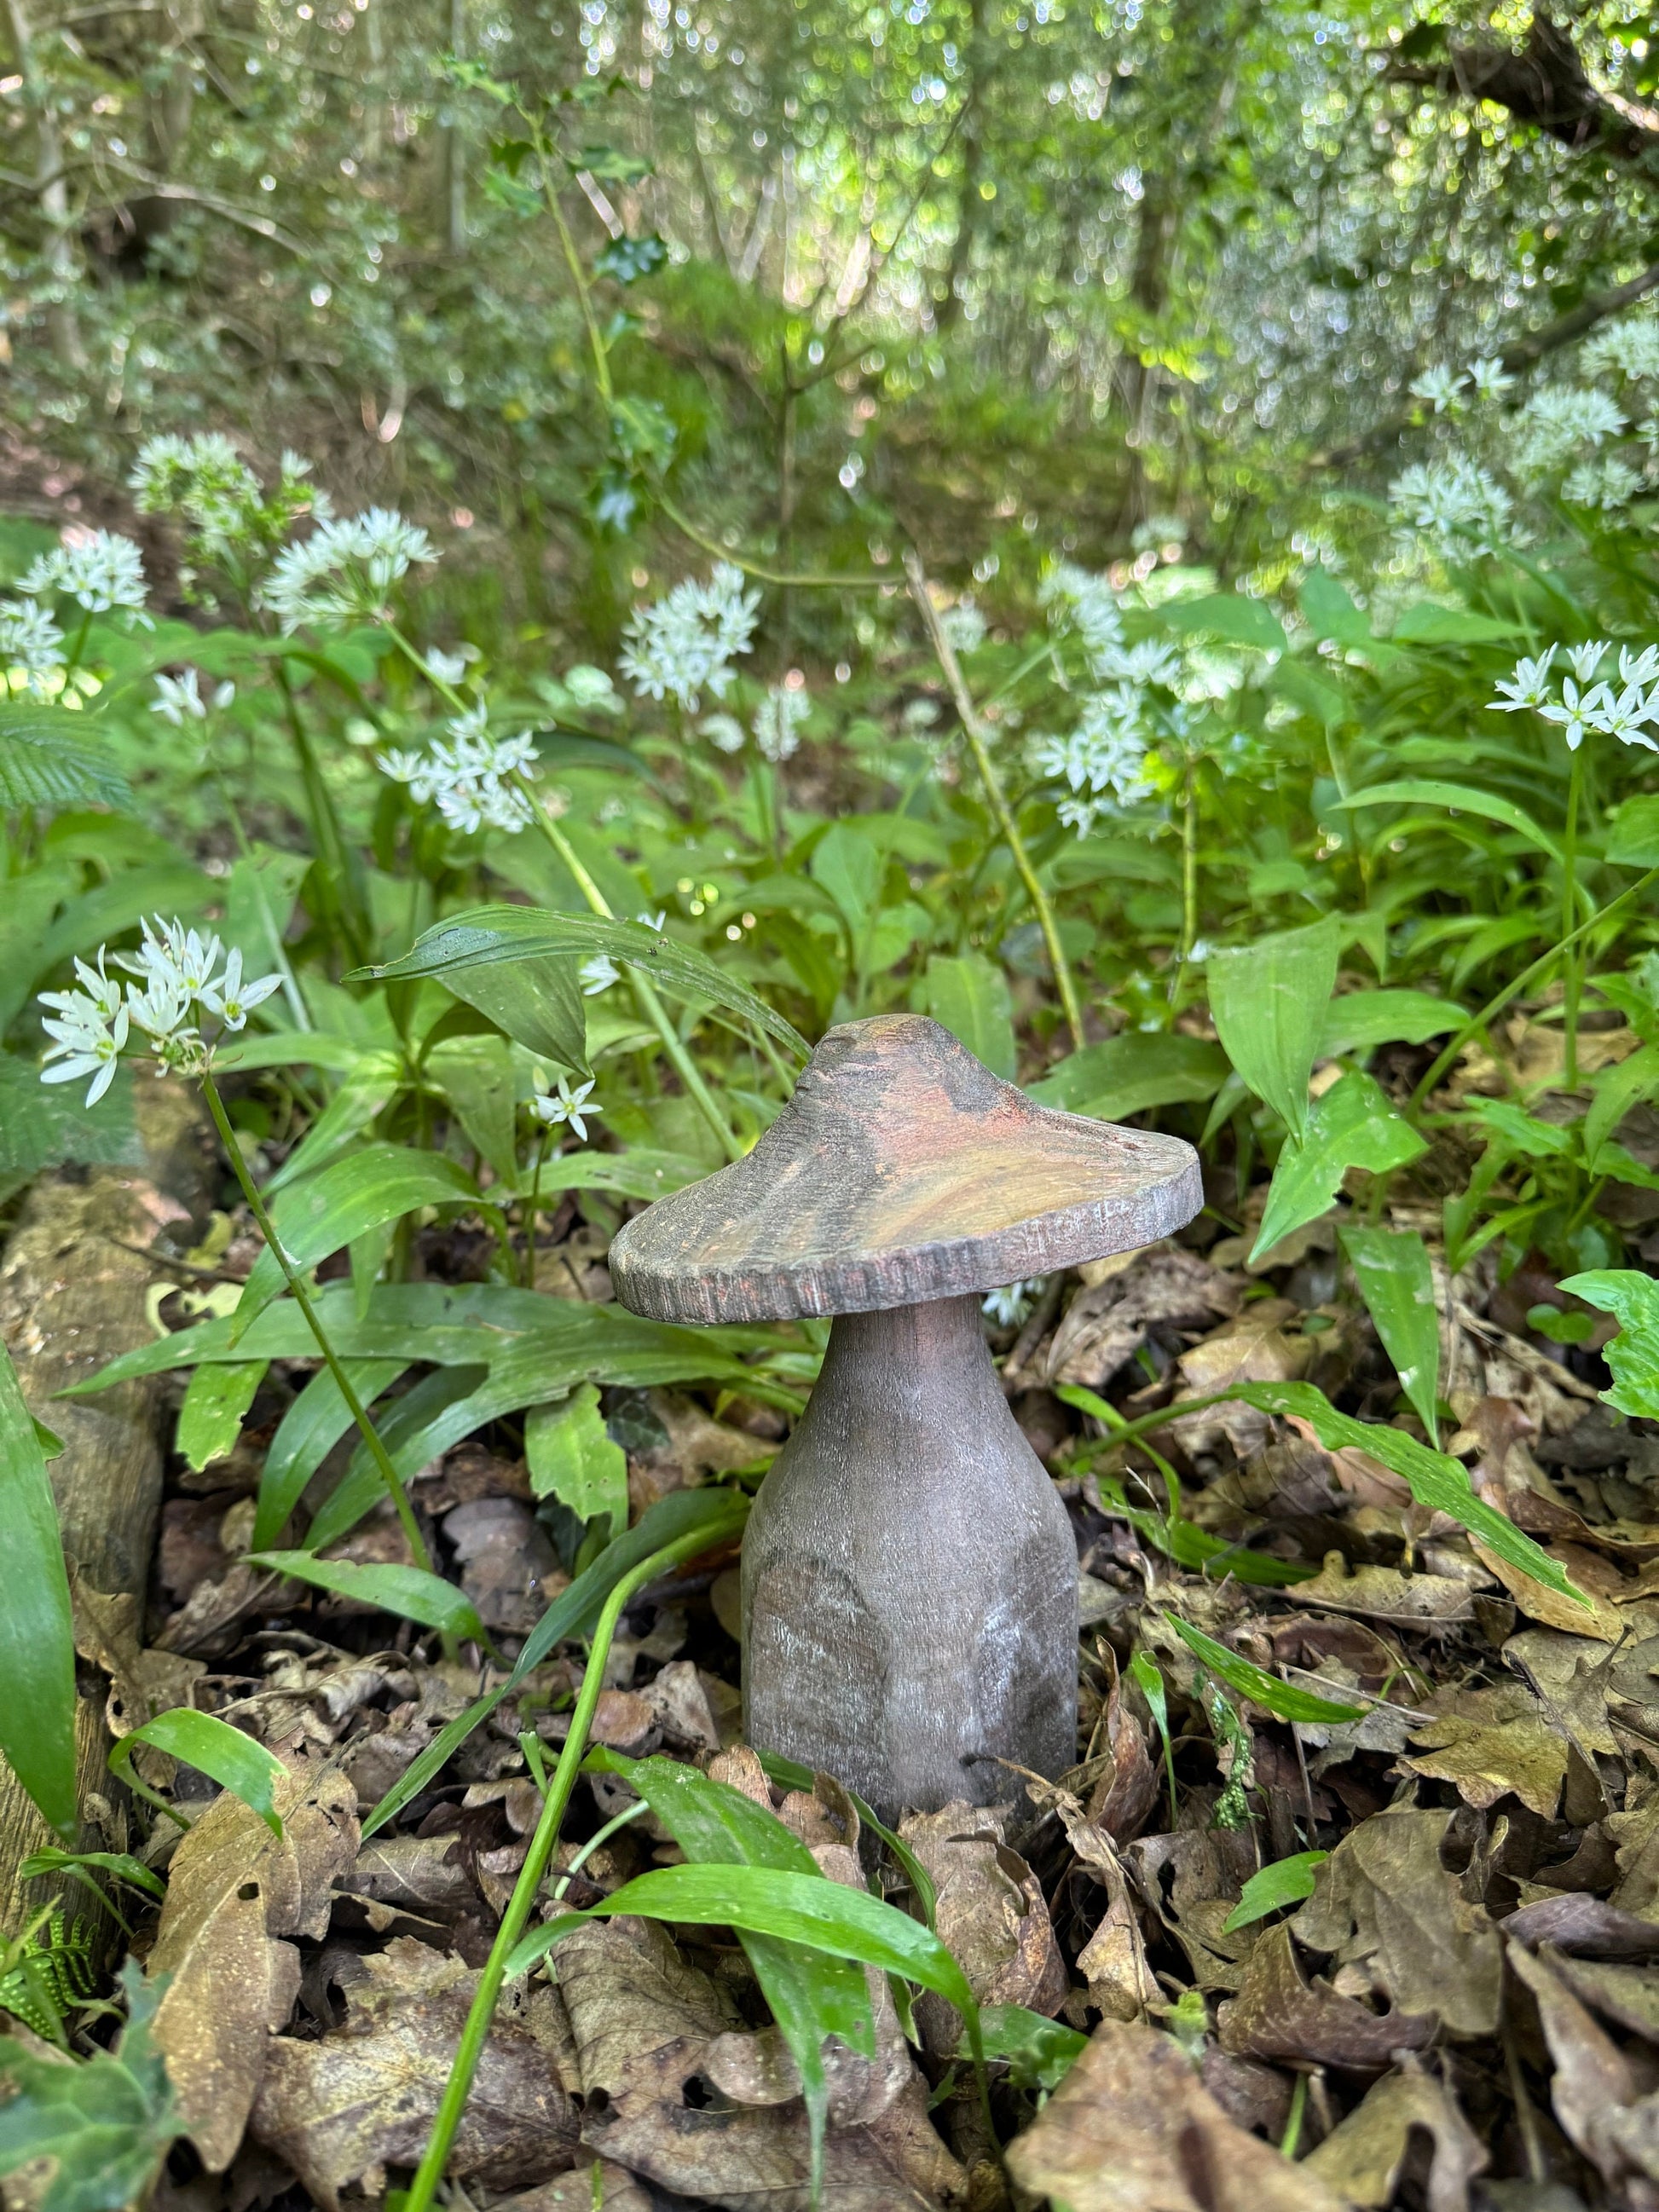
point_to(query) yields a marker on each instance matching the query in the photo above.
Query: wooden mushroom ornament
(909, 1575)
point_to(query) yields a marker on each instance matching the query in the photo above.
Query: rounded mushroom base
(910, 1575)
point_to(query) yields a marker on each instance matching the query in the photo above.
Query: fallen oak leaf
(1363, 2157)
(1133, 2129)
(1490, 1744)
(1279, 2014)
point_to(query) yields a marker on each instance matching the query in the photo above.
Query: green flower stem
(650, 1005)
(1495, 1006)
(973, 730)
(423, 2188)
(1572, 966)
(301, 1296)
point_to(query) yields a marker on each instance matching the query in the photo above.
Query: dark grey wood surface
(901, 1170)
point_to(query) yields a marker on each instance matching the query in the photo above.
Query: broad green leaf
(827, 1915)
(1129, 1073)
(538, 1003)
(1039, 2053)
(720, 1513)
(1435, 1478)
(120, 1866)
(1287, 1882)
(1282, 1698)
(1424, 623)
(494, 936)
(307, 1432)
(1632, 1356)
(415, 1427)
(213, 1747)
(215, 1404)
(1617, 1089)
(382, 1182)
(1463, 799)
(1228, 615)
(42, 1126)
(1267, 1000)
(968, 995)
(1396, 1280)
(37, 1637)
(1633, 833)
(1351, 1126)
(53, 756)
(409, 1592)
(1331, 612)
(476, 1075)
(571, 1457)
(812, 1996)
(848, 864)
(99, 2128)
(259, 895)
(1359, 1021)
(290, 1048)
(374, 1082)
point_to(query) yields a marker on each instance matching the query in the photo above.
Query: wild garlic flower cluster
(779, 720)
(1628, 348)
(1578, 703)
(1103, 762)
(1557, 422)
(180, 981)
(685, 643)
(344, 571)
(964, 626)
(31, 645)
(99, 569)
(204, 480)
(468, 775)
(1459, 506)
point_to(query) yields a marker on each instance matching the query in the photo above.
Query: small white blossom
(563, 1104)
(1574, 712)
(964, 626)
(1488, 379)
(98, 568)
(1439, 386)
(1585, 659)
(1527, 687)
(726, 731)
(345, 570)
(231, 999)
(592, 689)
(779, 720)
(87, 1039)
(1103, 762)
(179, 699)
(30, 641)
(685, 643)
(1639, 667)
(658, 921)
(448, 667)
(1151, 661)
(1011, 1305)
(1622, 716)
(1461, 508)
(598, 975)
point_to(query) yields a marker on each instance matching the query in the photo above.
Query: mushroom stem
(910, 1574)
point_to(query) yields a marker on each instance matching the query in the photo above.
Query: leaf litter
(1436, 1775)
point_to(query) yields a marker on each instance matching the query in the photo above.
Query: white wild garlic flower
(345, 570)
(685, 643)
(1460, 507)
(1439, 386)
(562, 1104)
(179, 975)
(31, 643)
(1489, 378)
(466, 776)
(779, 720)
(97, 568)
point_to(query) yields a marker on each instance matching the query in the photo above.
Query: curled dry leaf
(1364, 2156)
(991, 1917)
(1385, 1903)
(1106, 1324)
(1278, 2014)
(1133, 2129)
(342, 2110)
(1597, 2090)
(1490, 1744)
(1386, 1593)
(233, 1890)
(1127, 1788)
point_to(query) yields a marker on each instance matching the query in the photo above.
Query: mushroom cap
(901, 1170)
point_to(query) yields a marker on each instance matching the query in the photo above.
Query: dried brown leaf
(1364, 2156)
